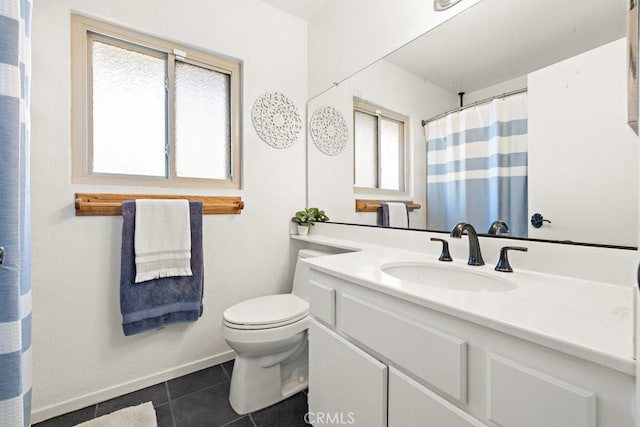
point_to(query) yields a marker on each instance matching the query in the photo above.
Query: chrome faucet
(475, 257)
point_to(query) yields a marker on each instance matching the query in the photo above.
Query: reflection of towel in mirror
(152, 304)
(162, 240)
(393, 215)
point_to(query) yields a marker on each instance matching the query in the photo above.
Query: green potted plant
(306, 217)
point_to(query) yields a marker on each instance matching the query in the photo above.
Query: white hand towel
(162, 239)
(398, 215)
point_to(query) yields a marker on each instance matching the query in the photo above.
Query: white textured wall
(578, 131)
(80, 353)
(495, 90)
(348, 35)
(384, 84)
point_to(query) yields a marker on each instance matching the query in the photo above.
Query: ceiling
(499, 40)
(303, 9)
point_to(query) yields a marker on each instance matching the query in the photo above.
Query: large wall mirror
(543, 128)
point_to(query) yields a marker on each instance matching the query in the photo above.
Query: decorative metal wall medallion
(276, 120)
(329, 130)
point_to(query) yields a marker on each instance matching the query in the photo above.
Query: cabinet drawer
(411, 404)
(322, 300)
(522, 397)
(430, 354)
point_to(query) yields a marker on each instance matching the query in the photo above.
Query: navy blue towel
(155, 303)
(383, 215)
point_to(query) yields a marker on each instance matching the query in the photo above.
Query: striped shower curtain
(15, 289)
(477, 166)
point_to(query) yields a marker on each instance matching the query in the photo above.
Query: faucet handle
(445, 255)
(503, 263)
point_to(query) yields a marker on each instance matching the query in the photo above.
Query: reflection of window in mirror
(379, 147)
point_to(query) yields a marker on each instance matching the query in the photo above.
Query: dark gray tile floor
(194, 400)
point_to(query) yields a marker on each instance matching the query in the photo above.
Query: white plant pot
(293, 227)
(303, 230)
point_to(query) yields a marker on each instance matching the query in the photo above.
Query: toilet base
(254, 386)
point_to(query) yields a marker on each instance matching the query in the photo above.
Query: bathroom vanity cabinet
(380, 360)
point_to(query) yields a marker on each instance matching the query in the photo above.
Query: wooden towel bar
(98, 204)
(373, 205)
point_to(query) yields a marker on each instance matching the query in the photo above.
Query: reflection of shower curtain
(15, 290)
(477, 166)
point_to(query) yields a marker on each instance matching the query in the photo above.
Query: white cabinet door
(412, 404)
(346, 385)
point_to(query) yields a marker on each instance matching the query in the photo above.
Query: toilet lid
(267, 311)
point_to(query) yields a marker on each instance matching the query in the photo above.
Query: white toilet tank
(303, 272)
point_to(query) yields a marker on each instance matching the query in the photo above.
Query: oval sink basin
(448, 277)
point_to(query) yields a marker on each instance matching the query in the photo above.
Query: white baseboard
(71, 405)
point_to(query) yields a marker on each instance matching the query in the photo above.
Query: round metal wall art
(329, 130)
(276, 120)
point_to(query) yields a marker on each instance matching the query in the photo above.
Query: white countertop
(587, 319)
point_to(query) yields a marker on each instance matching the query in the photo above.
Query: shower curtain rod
(482, 101)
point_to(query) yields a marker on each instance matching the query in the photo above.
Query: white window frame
(83, 30)
(376, 110)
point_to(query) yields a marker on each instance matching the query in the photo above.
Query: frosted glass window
(203, 132)
(147, 111)
(366, 150)
(128, 108)
(391, 154)
(379, 148)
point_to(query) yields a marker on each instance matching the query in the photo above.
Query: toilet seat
(271, 311)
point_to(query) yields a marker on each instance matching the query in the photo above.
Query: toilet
(269, 336)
